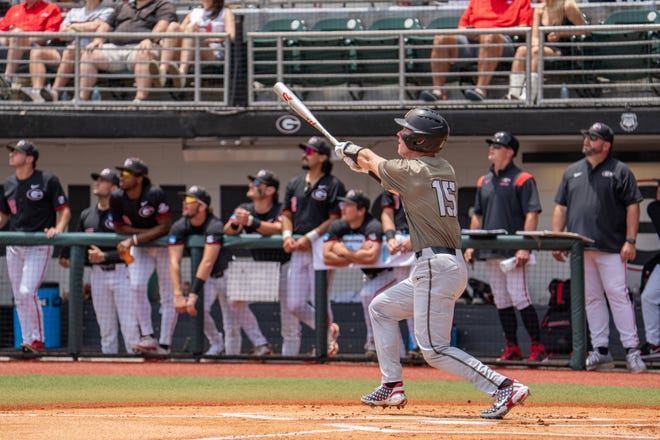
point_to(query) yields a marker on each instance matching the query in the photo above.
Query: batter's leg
(438, 282)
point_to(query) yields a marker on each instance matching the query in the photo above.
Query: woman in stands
(547, 13)
(212, 16)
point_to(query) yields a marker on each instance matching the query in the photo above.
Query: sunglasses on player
(309, 151)
(592, 137)
(126, 174)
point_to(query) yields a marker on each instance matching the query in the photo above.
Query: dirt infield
(321, 420)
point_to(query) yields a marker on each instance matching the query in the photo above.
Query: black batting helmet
(429, 130)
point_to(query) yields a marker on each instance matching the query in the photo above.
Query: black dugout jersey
(312, 206)
(211, 229)
(33, 202)
(143, 212)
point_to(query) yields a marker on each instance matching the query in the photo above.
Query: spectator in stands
(598, 197)
(85, 19)
(31, 16)
(356, 238)
(310, 205)
(651, 291)
(110, 286)
(213, 16)
(128, 53)
(397, 236)
(547, 13)
(262, 215)
(507, 198)
(487, 47)
(140, 208)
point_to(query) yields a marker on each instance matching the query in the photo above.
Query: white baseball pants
(651, 307)
(27, 266)
(429, 295)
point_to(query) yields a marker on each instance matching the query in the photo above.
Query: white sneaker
(214, 350)
(147, 344)
(48, 94)
(262, 350)
(635, 362)
(597, 361)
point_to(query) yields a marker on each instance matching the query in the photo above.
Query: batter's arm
(368, 160)
(558, 224)
(629, 251)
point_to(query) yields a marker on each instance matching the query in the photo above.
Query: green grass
(43, 389)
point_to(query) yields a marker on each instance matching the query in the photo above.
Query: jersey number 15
(445, 190)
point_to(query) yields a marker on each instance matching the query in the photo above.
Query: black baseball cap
(197, 192)
(601, 130)
(267, 177)
(357, 197)
(317, 144)
(26, 147)
(506, 139)
(134, 165)
(108, 175)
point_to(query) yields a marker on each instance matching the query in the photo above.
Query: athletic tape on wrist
(197, 286)
(286, 234)
(312, 235)
(390, 234)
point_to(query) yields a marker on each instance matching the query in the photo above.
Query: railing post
(321, 307)
(197, 337)
(578, 320)
(75, 326)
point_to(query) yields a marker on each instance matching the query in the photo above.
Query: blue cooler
(49, 296)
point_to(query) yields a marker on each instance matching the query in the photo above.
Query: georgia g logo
(35, 194)
(146, 211)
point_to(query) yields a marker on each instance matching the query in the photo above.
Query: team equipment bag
(556, 332)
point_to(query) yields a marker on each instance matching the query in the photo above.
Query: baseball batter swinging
(427, 186)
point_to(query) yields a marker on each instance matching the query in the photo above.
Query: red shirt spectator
(497, 14)
(30, 16)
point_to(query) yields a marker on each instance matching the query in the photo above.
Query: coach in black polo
(598, 197)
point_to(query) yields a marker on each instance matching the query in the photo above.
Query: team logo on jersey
(209, 239)
(146, 211)
(35, 194)
(607, 173)
(506, 181)
(320, 193)
(108, 223)
(578, 174)
(163, 208)
(353, 242)
(61, 200)
(373, 237)
(172, 239)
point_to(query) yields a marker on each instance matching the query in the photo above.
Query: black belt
(438, 250)
(106, 267)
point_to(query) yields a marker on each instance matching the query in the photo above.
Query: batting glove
(348, 149)
(352, 165)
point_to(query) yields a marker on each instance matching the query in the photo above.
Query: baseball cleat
(511, 353)
(597, 361)
(262, 350)
(215, 350)
(149, 345)
(33, 347)
(635, 362)
(505, 399)
(537, 352)
(650, 351)
(385, 397)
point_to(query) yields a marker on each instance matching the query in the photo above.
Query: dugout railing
(78, 242)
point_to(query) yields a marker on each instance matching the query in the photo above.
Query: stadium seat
(327, 61)
(264, 53)
(378, 58)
